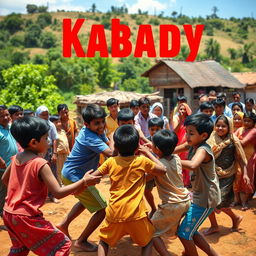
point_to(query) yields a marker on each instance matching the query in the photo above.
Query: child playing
(27, 179)
(62, 145)
(90, 142)
(175, 199)
(154, 124)
(228, 152)
(126, 212)
(205, 184)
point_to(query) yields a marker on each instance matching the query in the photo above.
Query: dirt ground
(225, 242)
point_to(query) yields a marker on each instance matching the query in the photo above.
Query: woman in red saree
(179, 128)
(247, 136)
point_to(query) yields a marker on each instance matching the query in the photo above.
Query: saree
(226, 152)
(181, 134)
(250, 152)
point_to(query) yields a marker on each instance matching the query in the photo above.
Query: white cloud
(147, 5)
(68, 7)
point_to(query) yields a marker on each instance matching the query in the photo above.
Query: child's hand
(148, 145)
(90, 180)
(144, 150)
(246, 180)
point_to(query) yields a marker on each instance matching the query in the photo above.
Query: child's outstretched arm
(181, 148)
(110, 151)
(60, 192)
(6, 175)
(159, 169)
(201, 156)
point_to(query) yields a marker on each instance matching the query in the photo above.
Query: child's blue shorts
(195, 216)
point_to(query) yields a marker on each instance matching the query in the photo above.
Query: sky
(192, 8)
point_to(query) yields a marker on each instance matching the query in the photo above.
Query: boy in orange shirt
(126, 212)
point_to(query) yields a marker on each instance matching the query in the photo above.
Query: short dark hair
(112, 101)
(219, 102)
(166, 141)
(156, 121)
(27, 128)
(14, 109)
(54, 118)
(250, 100)
(212, 92)
(125, 114)
(237, 104)
(201, 122)
(250, 115)
(92, 111)
(205, 105)
(182, 98)
(202, 95)
(126, 139)
(27, 112)
(134, 103)
(61, 107)
(222, 95)
(235, 93)
(144, 100)
(3, 107)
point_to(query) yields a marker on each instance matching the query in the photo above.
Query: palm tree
(212, 49)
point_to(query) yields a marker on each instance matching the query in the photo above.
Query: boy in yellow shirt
(126, 212)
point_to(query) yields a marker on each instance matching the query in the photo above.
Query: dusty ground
(225, 242)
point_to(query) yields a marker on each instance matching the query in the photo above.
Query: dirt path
(225, 242)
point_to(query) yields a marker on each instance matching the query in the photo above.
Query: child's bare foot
(85, 246)
(245, 207)
(64, 230)
(236, 223)
(211, 230)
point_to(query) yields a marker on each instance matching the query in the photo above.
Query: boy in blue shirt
(90, 142)
(205, 183)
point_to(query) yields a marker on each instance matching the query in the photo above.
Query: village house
(173, 78)
(249, 79)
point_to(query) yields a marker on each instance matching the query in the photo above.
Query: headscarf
(157, 104)
(40, 110)
(241, 114)
(218, 144)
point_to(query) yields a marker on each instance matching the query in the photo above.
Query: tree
(214, 10)
(13, 22)
(31, 8)
(44, 20)
(247, 52)
(48, 40)
(212, 49)
(19, 57)
(42, 8)
(174, 14)
(29, 86)
(32, 35)
(233, 53)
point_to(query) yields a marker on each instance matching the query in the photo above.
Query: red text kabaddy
(121, 46)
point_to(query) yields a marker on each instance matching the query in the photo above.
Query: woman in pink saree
(179, 128)
(247, 136)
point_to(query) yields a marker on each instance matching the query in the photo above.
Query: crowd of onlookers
(211, 152)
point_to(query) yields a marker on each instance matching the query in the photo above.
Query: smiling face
(97, 125)
(157, 111)
(221, 128)
(113, 110)
(17, 115)
(237, 121)
(182, 111)
(219, 110)
(193, 137)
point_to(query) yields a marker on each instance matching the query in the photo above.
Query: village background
(33, 72)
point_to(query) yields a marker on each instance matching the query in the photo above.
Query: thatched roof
(123, 97)
(200, 73)
(247, 78)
